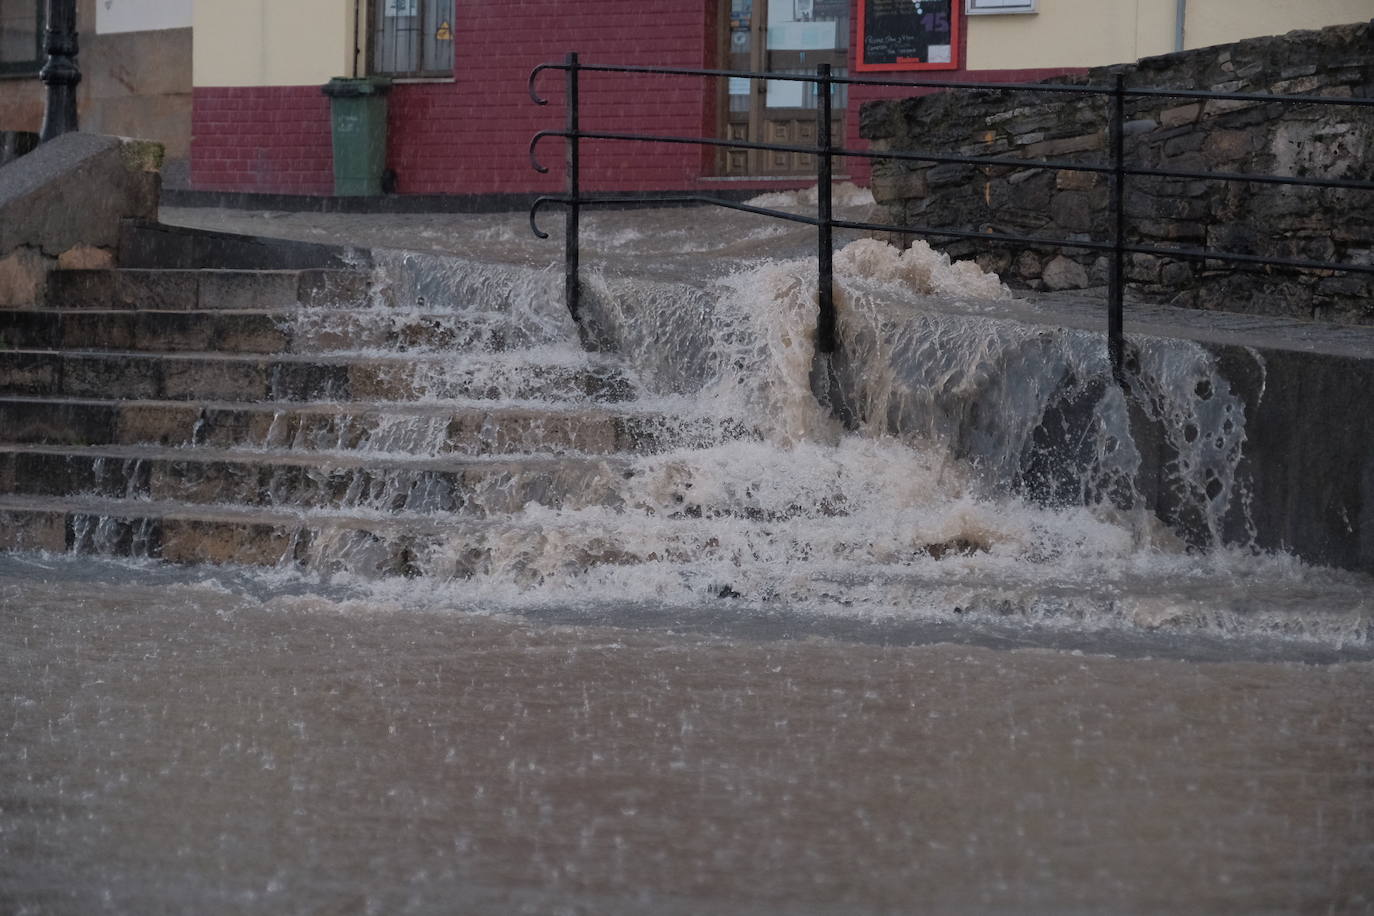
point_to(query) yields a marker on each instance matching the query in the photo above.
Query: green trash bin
(358, 113)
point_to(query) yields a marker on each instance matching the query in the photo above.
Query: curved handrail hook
(534, 212)
(534, 141)
(534, 75)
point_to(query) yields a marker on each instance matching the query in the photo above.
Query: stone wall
(1215, 136)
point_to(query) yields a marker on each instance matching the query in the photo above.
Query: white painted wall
(141, 15)
(1089, 33)
(272, 42)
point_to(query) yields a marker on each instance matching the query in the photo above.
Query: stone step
(192, 290)
(396, 427)
(523, 376)
(369, 546)
(470, 487)
(302, 330)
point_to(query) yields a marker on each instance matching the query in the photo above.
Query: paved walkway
(691, 242)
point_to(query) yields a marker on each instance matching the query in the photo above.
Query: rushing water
(776, 665)
(241, 746)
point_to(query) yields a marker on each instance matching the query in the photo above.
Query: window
(993, 7)
(21, 36)
(412, 37)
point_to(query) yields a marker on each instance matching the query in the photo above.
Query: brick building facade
(254, 118)
(468, 133)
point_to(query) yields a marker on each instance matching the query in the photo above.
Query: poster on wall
(141, 15)
(909, 34)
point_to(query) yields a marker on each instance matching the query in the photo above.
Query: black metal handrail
(825, 152)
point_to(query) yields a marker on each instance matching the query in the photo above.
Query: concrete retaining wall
(1229, 431)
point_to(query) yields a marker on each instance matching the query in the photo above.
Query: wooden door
(780, 36)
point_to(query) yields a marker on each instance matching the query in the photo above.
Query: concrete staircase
(298, 418)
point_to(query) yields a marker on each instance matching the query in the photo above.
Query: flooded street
(242, 745)
(646, 630)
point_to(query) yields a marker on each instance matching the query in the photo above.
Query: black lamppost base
(60, 73)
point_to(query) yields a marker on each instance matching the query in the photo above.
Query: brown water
(169, 746)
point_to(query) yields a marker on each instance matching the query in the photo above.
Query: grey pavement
(693, 243)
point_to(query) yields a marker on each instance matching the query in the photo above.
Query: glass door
(781, 36)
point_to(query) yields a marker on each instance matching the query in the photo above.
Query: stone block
(1028, 265)
(1142, 268)
(1080, 144)
(86, 257)
(254, 333)
(1172, 230)
(334, 288)
(43, 530)
(106, 377)
(1066, 180)
(189, 541)
(248, 290)
(954, 173)
(29, 373)
(56, 422)
(97, 330)
(1064, 273)
(1227, 146)
(1190, 142)
(225, 380)
(1177, 274)
(23, 278)
(1300, 86)
(76, 289)
(155, 290)
(155, 423)
(900, 186)
(1072, 211)
(158, 330)
(1217, 107)
(1180, 115)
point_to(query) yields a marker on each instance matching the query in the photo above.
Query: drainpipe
(357, 35)
(1180, 17)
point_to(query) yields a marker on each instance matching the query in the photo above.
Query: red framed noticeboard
(909, 34)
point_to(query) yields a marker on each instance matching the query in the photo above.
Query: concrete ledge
(148, 244)
(1234, 429)
(63, 204)
(417, 203)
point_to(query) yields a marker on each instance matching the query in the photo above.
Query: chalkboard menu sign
(909, 34)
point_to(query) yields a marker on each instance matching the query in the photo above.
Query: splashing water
(919, 508)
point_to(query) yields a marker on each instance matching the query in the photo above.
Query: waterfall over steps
(444, 421)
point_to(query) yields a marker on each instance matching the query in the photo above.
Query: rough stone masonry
(1214, 136)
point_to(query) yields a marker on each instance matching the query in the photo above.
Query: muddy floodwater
(176, 744)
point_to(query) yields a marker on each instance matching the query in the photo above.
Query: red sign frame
(956, 29)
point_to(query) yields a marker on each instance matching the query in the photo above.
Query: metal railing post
(1117, 279)
(573, 211)
(825, 271)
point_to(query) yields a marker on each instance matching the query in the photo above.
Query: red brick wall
(272, 139)
(471, 135)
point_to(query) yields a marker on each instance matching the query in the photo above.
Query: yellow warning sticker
(445, 32)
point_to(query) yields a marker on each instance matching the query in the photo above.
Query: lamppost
(60, 73)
